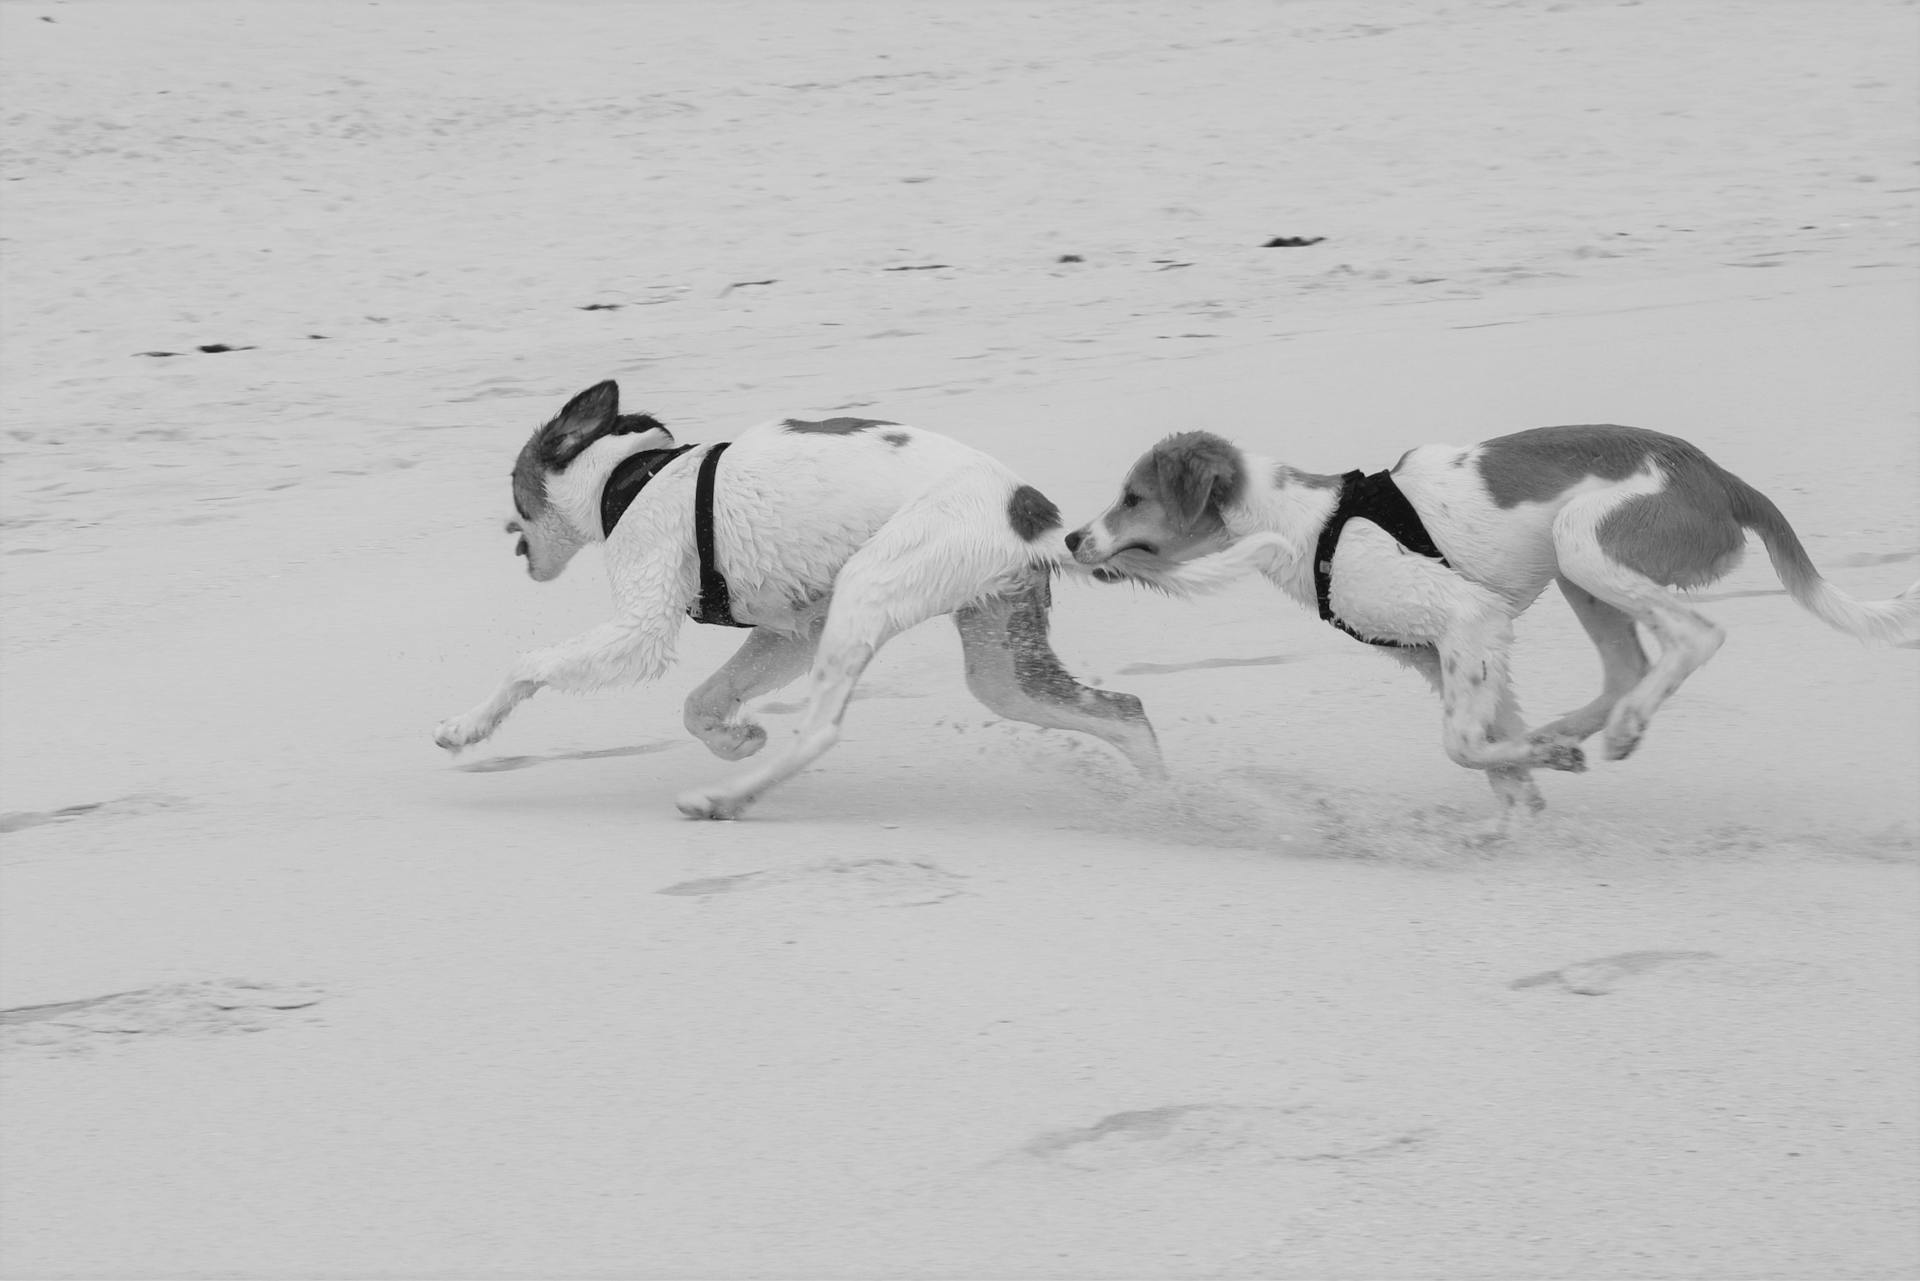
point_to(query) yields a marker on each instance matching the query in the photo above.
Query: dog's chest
(1382, 590)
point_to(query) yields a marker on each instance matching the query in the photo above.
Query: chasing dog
(1434, 559)
(826, 538)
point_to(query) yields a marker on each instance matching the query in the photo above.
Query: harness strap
(1378, 499)
(626, 481)
(715, 604)
(624, 484)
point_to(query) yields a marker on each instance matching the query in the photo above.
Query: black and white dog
(827, 539)
(1435, 559)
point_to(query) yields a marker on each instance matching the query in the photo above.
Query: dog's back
(795, 498)
(1491, 507)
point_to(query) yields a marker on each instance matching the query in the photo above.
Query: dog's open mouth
(1125, 565)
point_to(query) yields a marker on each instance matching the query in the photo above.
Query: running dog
(1433, 561)
(826, 538)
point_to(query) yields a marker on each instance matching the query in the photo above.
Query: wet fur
(833, 536)
(1615, 516)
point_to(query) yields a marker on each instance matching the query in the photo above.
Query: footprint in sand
(494, 764)
(841, 885)
(124, 807)
(1602, 976)
(215, 1008)
(1218, 1135)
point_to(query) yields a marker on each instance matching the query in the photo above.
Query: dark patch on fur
(1537, 465)
(529, 482)
(834, 426)
(627, 424)
(1686, 536)
(590, 415)
(1284, 475)
(1196, 474)
(898, 439)
(1690, 534)
(1031, 513)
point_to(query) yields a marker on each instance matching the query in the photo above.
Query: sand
(290, 994)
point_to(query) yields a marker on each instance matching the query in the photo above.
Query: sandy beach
(286, 992)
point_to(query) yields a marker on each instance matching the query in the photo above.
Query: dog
(1433, 561)
(826, 538)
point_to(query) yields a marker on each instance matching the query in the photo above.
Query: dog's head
(561, 469)
(1169, 509)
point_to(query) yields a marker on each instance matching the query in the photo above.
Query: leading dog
(1614, 515)
(830, 537)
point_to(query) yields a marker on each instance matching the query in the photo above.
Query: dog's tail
(1254, 554)
(1896, 620)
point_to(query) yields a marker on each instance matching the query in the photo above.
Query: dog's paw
(711, 804)
(1624, 732)
(457, 732)
(1487, 833)
(735, 742)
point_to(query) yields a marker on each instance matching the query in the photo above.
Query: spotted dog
(826, 538)
(1433, 560)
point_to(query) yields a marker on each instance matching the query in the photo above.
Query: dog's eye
(1129, 499)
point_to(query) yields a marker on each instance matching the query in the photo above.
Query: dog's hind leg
(768, 660)
(1012, 669)
(1623, 661)
(1687, 638)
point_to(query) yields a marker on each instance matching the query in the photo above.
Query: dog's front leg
(1513, 784)
(768, 660)
(1480, 719)
(836, 670)
(474, 726)
(617, 653)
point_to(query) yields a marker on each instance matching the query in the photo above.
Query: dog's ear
(1197, 473)
(586, 418)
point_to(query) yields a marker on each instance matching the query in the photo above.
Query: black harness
(1378, 499)
(624, 484)
(626, 481)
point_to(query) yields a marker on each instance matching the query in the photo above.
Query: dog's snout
(520, 548)
(1074, 539)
